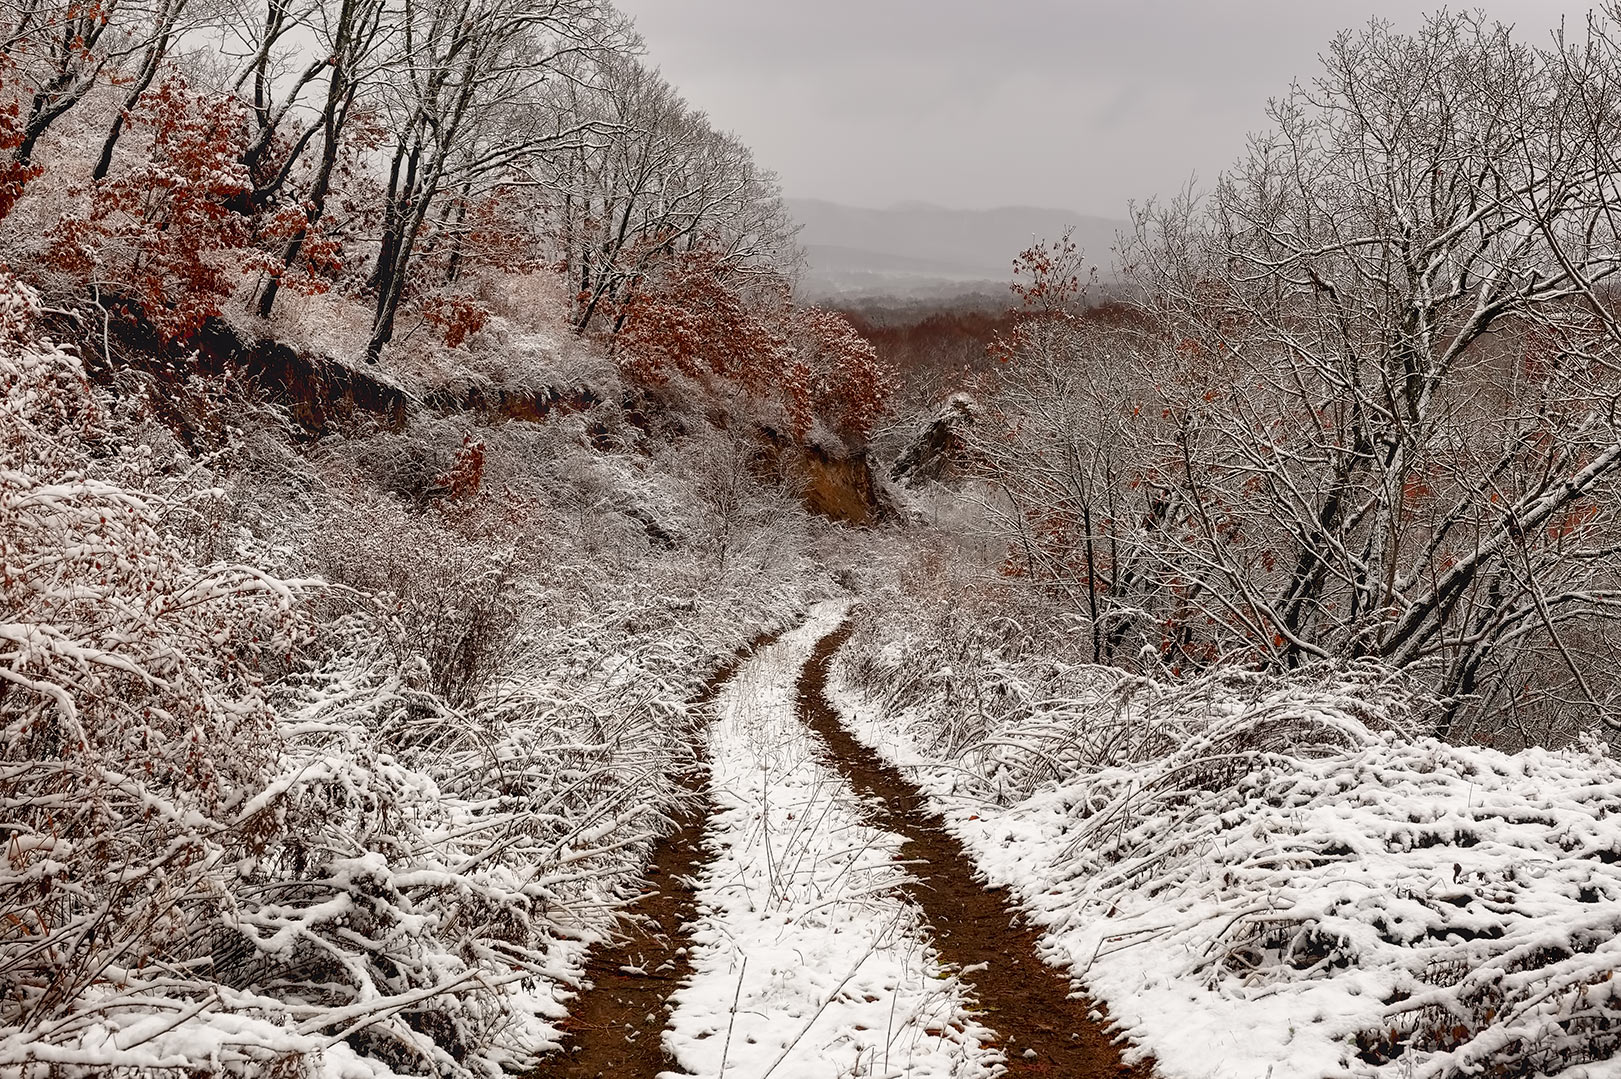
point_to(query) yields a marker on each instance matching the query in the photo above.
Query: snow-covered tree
(1367, 405)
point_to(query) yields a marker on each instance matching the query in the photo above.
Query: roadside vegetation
(405, 409)
(371, 510)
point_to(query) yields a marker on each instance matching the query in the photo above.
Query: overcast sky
(1074, 104)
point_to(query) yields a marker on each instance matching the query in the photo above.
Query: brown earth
(841, 488)
(836, 482)
(616, 1027)
(1043, 1029)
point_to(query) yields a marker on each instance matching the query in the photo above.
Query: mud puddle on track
(974, 928)
(615, 1028)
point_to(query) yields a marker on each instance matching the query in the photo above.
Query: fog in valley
(900, 109)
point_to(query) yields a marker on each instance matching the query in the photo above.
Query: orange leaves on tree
(466, 473)
(13, 176)
(320, 254)
(839, 376)
(1051, 278)
(456, 317)
(695, 316)
(691, 315)
(799, 386)
(497, 235)
(162, 234)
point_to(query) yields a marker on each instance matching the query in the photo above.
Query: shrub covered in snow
(1285, 866)
(137, 728)
(258, 825)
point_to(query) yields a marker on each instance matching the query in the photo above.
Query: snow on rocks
(1276, 882)
(808, 959)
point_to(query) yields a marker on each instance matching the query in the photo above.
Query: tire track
(1044, 1031)
(811, 957)
(614, 1027)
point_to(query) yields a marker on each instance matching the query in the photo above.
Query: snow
(809, 960)
(1337, 900)
(246, 832)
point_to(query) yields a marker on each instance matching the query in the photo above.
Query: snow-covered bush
(1291, 855)
(136, 728)
(450, 601)
(254, 826)
(469, 849)
(987, 693)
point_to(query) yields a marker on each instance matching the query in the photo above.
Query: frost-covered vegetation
(373, 509)
(404, 411)
(254, 816)
(1278, 672)
(1359, 402)
(1258, 874)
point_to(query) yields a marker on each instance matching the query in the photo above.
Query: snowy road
(809, 960)
(824, 924)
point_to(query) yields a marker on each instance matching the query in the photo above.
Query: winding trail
(951, 951)
(614, 1028)
(1044, 1029)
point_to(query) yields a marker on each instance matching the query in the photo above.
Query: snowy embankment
(1267, 879)
(257, 823)
(809, 960)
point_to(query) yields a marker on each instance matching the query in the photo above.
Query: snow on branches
(1286, 855)
(695, 315)
(254, 824)
(134, 723)
(163, 234)
(835, 374)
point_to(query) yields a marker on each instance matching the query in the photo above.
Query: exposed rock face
(938, 452)
(842, 488)
(322, 394)
(499, 402)
(318, 392)
(833, 481)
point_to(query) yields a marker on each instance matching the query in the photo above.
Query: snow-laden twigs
(252, 824)
(1274, 855)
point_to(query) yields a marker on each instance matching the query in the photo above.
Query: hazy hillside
(917, 249)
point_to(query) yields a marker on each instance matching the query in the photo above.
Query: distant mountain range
(914, 249)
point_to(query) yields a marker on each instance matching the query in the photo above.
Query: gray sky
(1079, 104)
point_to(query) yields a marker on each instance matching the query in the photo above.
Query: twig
(731, 1019)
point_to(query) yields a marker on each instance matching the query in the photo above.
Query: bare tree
(273, 76)
(351, 34)
(653, 180)
(161, 28)
(463, 82)
(1372, 400)
(61, 51)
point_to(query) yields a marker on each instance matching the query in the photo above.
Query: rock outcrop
(938, 452)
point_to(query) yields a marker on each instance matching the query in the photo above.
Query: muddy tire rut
(1044, 1030)
(615, 1028)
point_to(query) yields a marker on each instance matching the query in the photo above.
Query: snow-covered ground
(1363, 904)
(808, 960)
